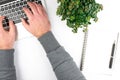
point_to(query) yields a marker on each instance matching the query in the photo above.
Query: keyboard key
(20, 8)
(21, 3)
(17, 4)
(16, 9)
(5, 13)
(2, 9)
(10, 7)
(9, 11)
(13, 6)
(6, 8)
(13, 10)
(24, 2)
(15, 14)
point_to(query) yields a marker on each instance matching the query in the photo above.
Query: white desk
(32, 63)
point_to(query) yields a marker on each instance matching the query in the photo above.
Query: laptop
(12, 9)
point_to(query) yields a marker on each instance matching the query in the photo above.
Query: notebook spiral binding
(83, 50)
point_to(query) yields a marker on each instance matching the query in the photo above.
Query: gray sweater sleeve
(7, 68)
(62, 63)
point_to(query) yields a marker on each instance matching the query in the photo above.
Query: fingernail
(34, 2)
(28, 2)
(11, 21)
(21, 19)
(24, 7)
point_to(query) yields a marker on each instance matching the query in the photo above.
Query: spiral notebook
(95, 65)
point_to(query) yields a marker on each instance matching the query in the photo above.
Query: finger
(41, 10)
(1, 24)
(38, 8)
(33, 7)
(12, 27)
(28, 13)
(25, 24)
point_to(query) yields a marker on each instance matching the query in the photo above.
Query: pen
(112, 55)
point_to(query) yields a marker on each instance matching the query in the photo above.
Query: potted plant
(79, 14)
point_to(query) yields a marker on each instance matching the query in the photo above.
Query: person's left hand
(7, 38)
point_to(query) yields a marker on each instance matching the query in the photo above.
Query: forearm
(7, 68)
(62, 63)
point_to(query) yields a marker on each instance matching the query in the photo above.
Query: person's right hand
(38, 23)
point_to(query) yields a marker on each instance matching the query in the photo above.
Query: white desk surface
(31, 61)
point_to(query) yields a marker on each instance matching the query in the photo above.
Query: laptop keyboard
(13, 11)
